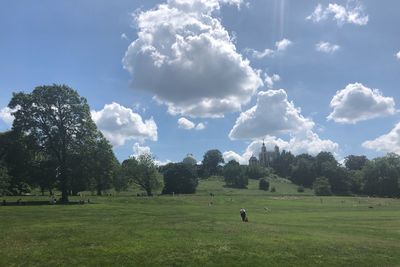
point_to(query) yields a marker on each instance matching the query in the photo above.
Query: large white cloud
(306, 142)
(342, 14)
(386, 143)
(273, 114)
(5, 115)
(280, 47)
(119, 124)
(326, 47)
(188, 61)
(357, 103)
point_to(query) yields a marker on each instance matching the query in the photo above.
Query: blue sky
(213, 70)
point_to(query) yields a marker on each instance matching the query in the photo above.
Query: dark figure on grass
(243, 215)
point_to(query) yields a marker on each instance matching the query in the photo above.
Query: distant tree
(263, 184)
(303, 172)
(338, 177)
(382, 176)
(356, 181)
(355, 163)
(282, 164)
(59, 121)
(256, 172)
(234, 175)
(322, 187)
(4, 180)
(143, 172)
(211, 160)
(179, 178)
(322, 158)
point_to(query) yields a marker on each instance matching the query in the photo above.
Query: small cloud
(271, 80)
(280, 46)
(326, 47)
(342, 15)
(398, 55)
(124, 36)
(186, 124)
(200, 126)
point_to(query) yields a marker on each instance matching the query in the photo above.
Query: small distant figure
(211, 194)
(243, 215)
(210, 203)
(88, 200)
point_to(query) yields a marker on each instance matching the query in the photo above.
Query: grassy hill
(290, 229)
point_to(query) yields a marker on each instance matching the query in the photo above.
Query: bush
(322, 187)
(300, 189)
(263, 185)
(234, 176)
(273, 190)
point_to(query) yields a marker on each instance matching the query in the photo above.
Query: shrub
(263, 185)
(300, 189)
(322, 187)
(273, 189)
(179, 178)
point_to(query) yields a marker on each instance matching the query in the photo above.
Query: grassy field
(285, 228)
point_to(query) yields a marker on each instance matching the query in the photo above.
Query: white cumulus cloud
(280, 47)
(186, 124)
(357, 102)
(326, 47)
(5, 115)
(273, 114)
(269, 81)
(140, 150)
(398, 55)
(188, 61)
(119, 124)
(341, 14)
(389, 142)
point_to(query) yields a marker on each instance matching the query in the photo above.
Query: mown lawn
(297, 230)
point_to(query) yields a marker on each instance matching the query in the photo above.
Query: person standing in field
(243, 215)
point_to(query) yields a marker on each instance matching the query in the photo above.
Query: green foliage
(300, 189)
(179, 178)
(211, 160)
(382, 176)
(282, 164)
(143, 172)
(304, 172)
(234, 175)
(355, 163)
(4, 181)
(322, 187)
(256, 172)
(59, 121)
(273, 189)
(263, 184)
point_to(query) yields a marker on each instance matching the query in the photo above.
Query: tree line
(55, 145)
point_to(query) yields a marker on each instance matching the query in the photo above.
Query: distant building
(265, 157)
(189, 160)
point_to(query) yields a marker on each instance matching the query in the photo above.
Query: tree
(282, 163)
(338, 177)
(256, 172)
(179, 178)
(59, 121)
(143, 172)
(355, 163)
(4, 180)
(381, 176)
(211, 160)
(234, 175)
(263, 184)
(322, 187)
(304, 172)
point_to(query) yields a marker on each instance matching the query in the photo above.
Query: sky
(174, 77)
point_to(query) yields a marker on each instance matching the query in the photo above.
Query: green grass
(284, 230)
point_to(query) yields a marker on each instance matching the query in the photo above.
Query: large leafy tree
(179, 178)
(59, 121)
(234, 175)
(355, 163)
(211, 160)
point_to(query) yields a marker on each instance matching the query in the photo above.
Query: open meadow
(285, 228)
